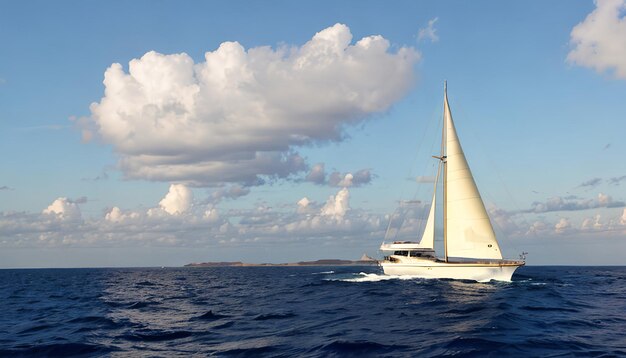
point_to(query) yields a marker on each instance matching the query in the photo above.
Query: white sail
(428, 237)
(469, 231)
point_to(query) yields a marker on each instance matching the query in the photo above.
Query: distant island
(363, 261)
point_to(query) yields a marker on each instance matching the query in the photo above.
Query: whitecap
(323, 273)
(372, 277)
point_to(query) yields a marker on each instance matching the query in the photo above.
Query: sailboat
(470, 247)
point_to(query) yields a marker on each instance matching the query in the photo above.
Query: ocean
(310, 312)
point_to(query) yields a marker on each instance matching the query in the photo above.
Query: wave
(210, 316)
(141, 304)
(57, 350)
(545, 311)
(323, 273)
(373, 277)
(358, 348)
(155, 335)
(264, 317)
(94, 322)
(36, 328)
(248, 352)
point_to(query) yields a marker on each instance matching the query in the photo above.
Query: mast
(442, 158)
(445, 172)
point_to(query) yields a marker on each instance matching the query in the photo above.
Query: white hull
(475, 271)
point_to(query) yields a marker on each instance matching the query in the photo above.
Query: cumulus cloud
(536, 228)
(599, 42)
(240, 115)
(64, 209)
(304, 206)
(178, 200)
(504, 220)
(4, 187)
(592, 223)
(429, 32)
(562, 226)
(345, 182)
(337, 205)
(212, 214)
(116, 215)
(200, 225)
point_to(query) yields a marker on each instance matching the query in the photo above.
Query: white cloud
(304, 202)
(346, 181)
(536, 228)
(604, 200)
(212, 214)
(304, 206)
(63, 208)
(562, 226)
(429, 32)
(305, 222)
(592, 223)
(599, 42)
(504, 221)
(239, 115)
(178, 200)
(116, 215)
(200, 226)
(337, 205)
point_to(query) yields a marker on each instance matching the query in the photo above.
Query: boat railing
(489, 262)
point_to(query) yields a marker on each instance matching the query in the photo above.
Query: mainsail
(469, 233)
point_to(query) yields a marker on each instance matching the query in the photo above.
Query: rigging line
(425, 134)
(389, 224)
(434, 118)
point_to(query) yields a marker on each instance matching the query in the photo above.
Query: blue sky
(213, 168)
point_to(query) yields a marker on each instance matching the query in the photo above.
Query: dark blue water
(310, 311)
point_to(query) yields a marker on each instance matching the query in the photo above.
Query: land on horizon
(321, 262)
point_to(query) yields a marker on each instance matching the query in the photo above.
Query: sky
(158, 133)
